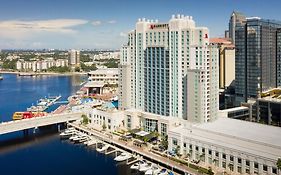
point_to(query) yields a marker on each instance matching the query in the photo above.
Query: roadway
(18, 125)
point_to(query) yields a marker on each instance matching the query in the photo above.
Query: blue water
(43, 152)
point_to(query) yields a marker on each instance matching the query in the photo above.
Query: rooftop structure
(248, 147)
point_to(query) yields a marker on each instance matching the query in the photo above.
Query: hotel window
(264, 167)
(256, 165)
(274, 170)
(129, 121)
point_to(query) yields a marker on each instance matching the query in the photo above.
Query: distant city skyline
(38, 24)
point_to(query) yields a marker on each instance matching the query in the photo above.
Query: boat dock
(44, 103)
(163, 161)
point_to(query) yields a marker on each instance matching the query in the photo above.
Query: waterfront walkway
(18, 125)
(112, 139)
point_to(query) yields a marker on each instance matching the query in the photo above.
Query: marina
(128, 152)
(135, 161)
(44, 103)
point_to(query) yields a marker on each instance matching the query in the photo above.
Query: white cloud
(20, 29)
(123, 34)
(112, 22)
(96, 23)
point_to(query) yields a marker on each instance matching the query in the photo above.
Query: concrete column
(193, 152)
(252, 167)
(220, 159)
(258, 111)
(269, 113)
(243, 166)
(213, 157)
(227, 161)
(235, 163)
(260, 168)
(206, 155)
(269, 169)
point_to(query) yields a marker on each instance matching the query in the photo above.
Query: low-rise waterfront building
(40, 65)
(107, 56)
(235, 145)
(102, 81)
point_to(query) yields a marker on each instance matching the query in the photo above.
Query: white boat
(74, 137)
(65, 135)
(105, 147)
(80, 137)
(145, 168)
(139, 164)
(123, 156)
(163, 172)
(82, 140)
(154, 170)
(91, 142)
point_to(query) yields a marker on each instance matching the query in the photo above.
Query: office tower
(256, 57)
(235, 18)
(278, 60)
(74, 58)
(170, 69)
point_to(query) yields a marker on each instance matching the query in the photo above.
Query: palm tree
(202, 156)
(278, 164)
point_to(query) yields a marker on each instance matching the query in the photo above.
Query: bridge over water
(18, 125)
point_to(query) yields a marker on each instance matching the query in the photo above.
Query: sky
(104, 24)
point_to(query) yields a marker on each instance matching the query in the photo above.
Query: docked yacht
(67, 133)
(138, 165)
(91, 142)
(145, 167)
(153, 170)
(105, 147)
(123, 156)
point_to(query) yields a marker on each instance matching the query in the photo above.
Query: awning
(142, 133)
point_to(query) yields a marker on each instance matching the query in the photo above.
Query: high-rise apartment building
(74, 58)
(235, 18)
(226, 62)
(256, 67)
(170, 69)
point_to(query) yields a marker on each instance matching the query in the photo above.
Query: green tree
(164, 142)
(59, 69)
(177, 150)
(85, 119)
(103, 126)
(86, 68)
(77, 69)
(111, 63)
(85, 58)
(278, 164)
(7, 64)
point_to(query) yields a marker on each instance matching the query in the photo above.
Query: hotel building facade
(170, 69)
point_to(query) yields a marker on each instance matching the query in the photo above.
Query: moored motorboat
(91, 142)
(123, 156)
(139, 164)
(145, 167)
(154, 170)
(105, 147)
